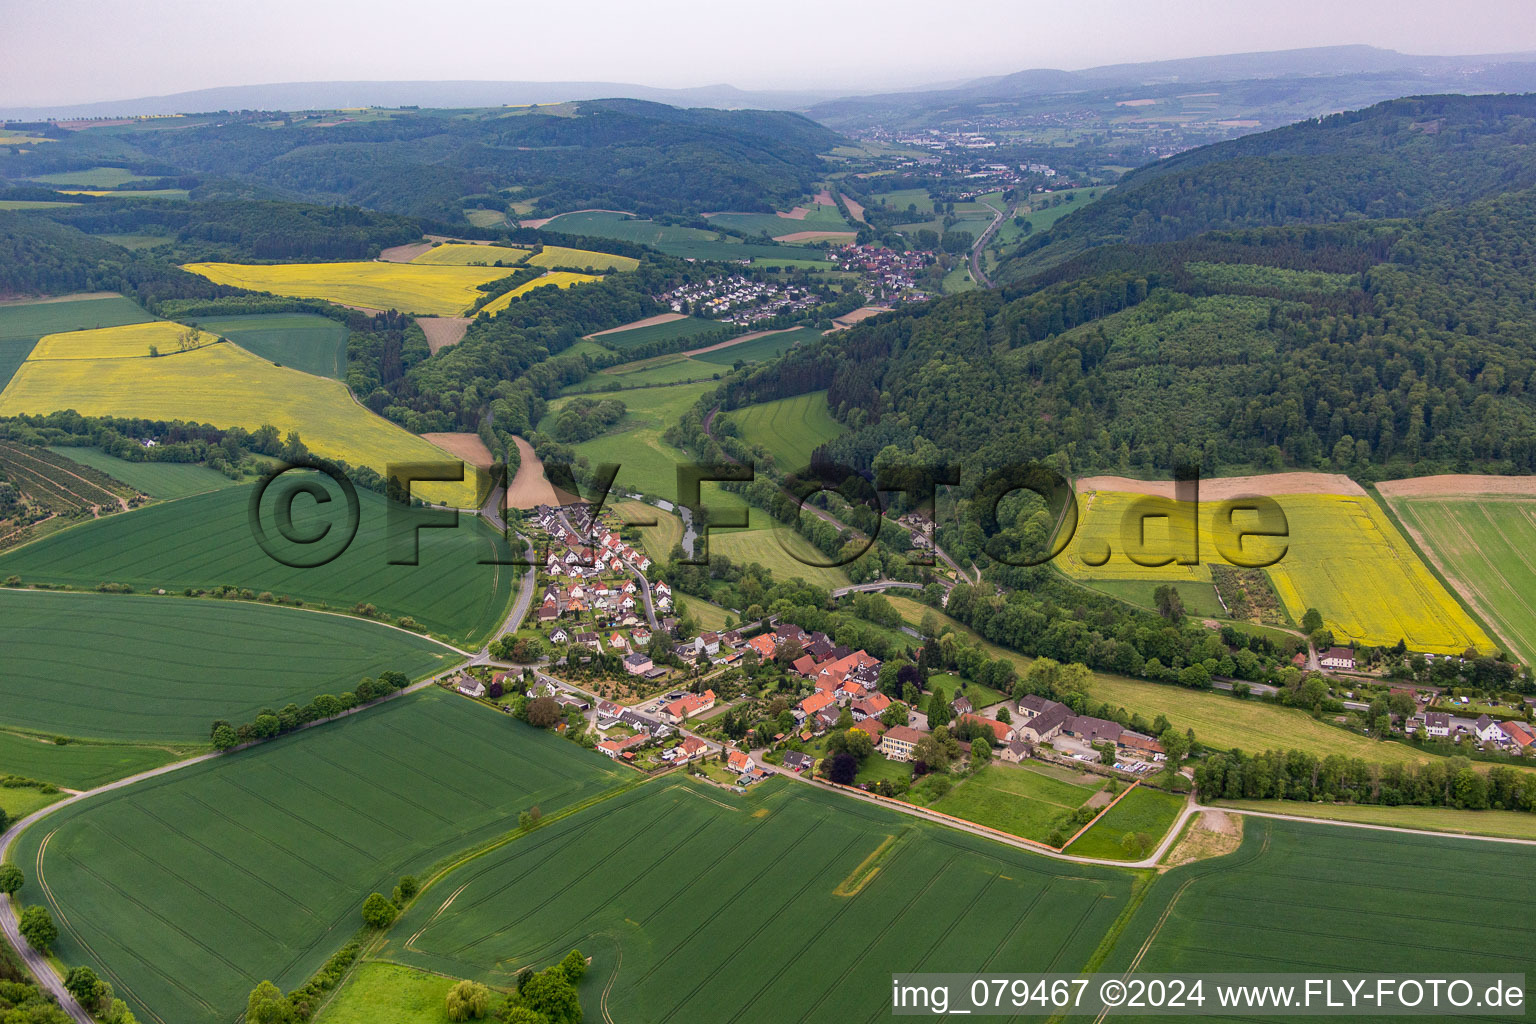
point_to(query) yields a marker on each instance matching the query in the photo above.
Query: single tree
(550, 993)
(267, 1005)
(543, 712)
(378, 911)
(11, 879)
(468, 1000)
(575, 966)
(38, 929)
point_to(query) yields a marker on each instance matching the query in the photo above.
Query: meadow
(376, 992)
(757, 349)
(584, 259)
(681, 367)
(187, 890)
(304, 341)
(229, 387)
(1142, 811)
(19, 801)
(1312, 898)
(156, 479)
(79, 764)
(1342, 556)
(459, 254)
(658, 540)
(206, 541)
(407, 287)
(1018, 800)
(129, 667)
(1483, 544)
(646, 463)
(790, 428)
(817, 218)
(22, 325)
(676, 889)
(555, 278)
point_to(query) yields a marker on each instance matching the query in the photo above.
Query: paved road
(868, 588)
(491, 511)
(977, 274)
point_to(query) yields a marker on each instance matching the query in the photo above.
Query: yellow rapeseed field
(407, 287)
(558, 278)
(130, 342)
(227, 386)
(1343, 557)
(559, 256)
(455, 254)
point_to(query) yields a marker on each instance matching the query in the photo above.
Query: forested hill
(646, 158)
(1395, 159)
(1372, 348)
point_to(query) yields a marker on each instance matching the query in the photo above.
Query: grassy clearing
(206, 541)
(708, 616)
(770, 544)
(1484, 545)
(759, 349)
(655, 886)
(817, 218)
(157, 479)
(1337, 893)
(1145, 812)
(21, 801)
(1344, 558)
(176, 665)
(80, 764)
(1199, 596)
(658, 540)
(407, 287)
(254, 866)
(304, 341)
(1016, 799)
(229, 387)
(1504, 824)
(376, 992)
(458, 254)
(790, 428)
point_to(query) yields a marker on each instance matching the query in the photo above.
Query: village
(737, 299)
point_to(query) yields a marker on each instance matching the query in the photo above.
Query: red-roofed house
(898, 741)
(692, 704)
(764, 646)
(815, 702)
(739, 762)
(1002, 731)
(1516, 734)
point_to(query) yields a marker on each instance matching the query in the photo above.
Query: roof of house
(1437, 719)
(1516, 733)
(1050, 718)
(816, 701)
(738, 760)
(1038, 704)
(805, 664)
(763, 644)
(872, 726)
(999, 729)
(1340, 653)
(794, 758)
(903, 734)
(1090, 728)
(637, 659)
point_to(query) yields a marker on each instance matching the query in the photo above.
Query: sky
(78, 51)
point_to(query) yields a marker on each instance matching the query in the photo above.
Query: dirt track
(650, 321)
(1455, 486)
(1222, 487)
(854, 209)
(443, 331)
(468, 447)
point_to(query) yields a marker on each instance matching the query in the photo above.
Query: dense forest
(1379, 348)
(647, 158)
(1395, 159)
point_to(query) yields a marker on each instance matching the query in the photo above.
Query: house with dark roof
(798, 762)
(1043, 725)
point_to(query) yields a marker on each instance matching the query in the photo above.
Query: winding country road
(977, 274)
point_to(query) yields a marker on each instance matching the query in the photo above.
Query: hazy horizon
(680, 44)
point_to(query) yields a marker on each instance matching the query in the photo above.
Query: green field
(96, 177)
(1199, 596)
(1017, 799)
(33, 204)
(1309, 898)
(790, 428)
(759, 349)
(376, 993)
(818, 218)
(187, 890)
(207, 541)
(646, 463)
(157, 479)
(677, 890)
(768, 543)
(20, 801)
(1484, 543)
(23, 323)
(79, 764)
(685, 243)
(130, 667)
(1142, 811)
(684, 328)
(1505, 824)
(304, 341)
(980, 696)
